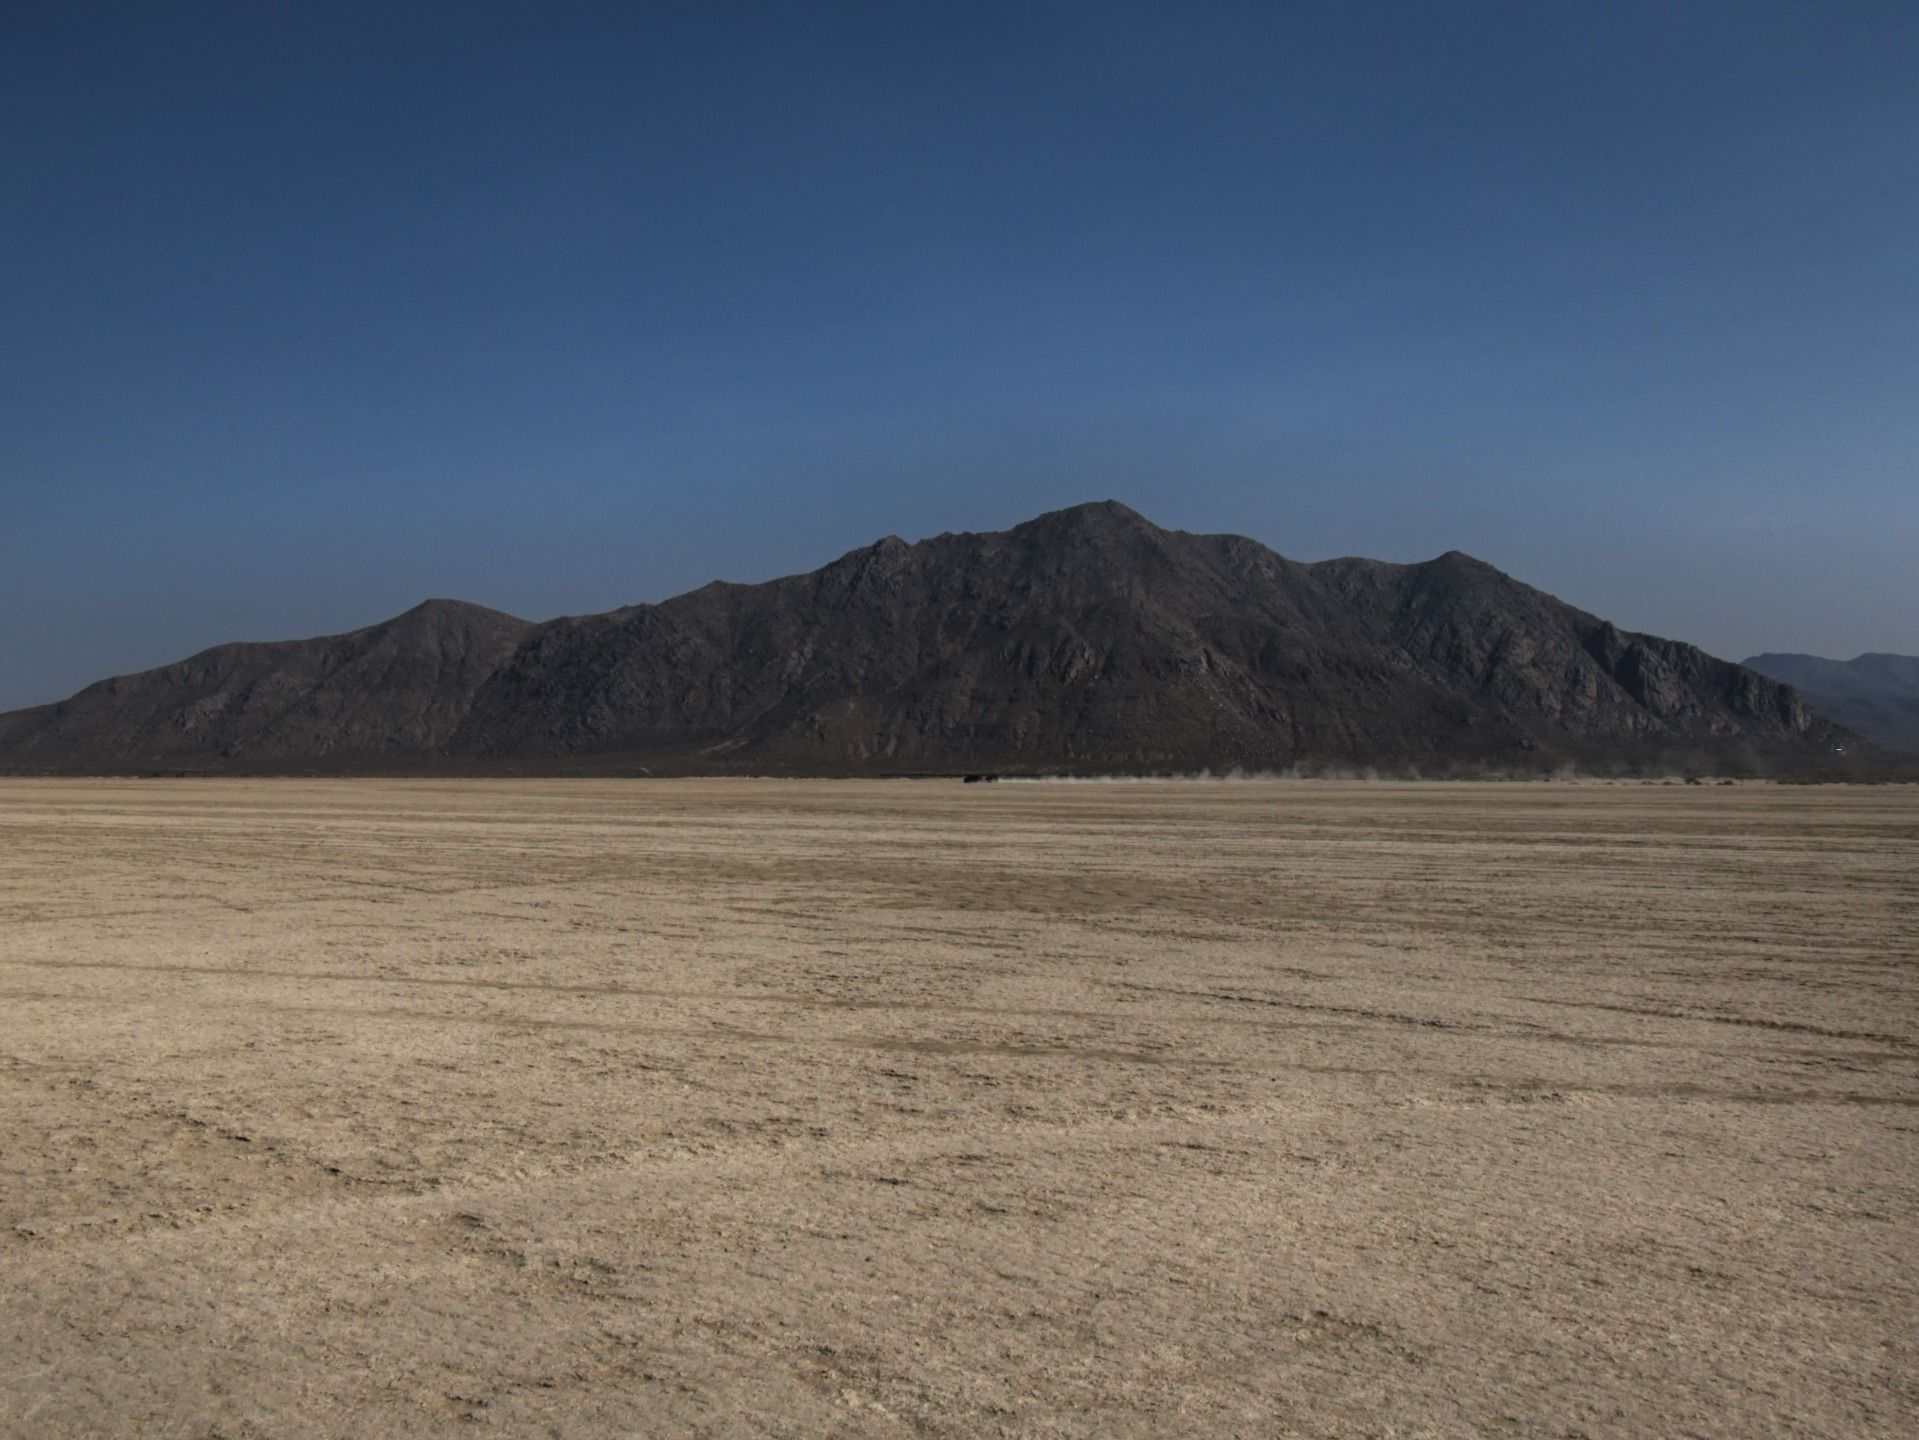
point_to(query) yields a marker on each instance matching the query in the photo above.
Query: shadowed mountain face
(1876, 694)
(1085, 640)
(392, 691)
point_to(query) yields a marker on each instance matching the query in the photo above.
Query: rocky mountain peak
(1085, 639)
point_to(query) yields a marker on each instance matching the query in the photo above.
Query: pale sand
(763, 1108)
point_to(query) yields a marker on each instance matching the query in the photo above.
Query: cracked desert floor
(590, 1108)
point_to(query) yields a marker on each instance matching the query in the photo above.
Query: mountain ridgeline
(1085, 641)
(1875, 694)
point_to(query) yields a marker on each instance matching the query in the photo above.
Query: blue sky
(307, 313)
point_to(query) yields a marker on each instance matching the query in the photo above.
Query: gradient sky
(309, 312)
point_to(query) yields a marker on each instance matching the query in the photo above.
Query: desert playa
(594, 1108)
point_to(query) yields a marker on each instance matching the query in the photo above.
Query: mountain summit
(1085, 640)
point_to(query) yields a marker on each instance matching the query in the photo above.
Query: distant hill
(1086, 640)
(393, 691)
(1875, 694)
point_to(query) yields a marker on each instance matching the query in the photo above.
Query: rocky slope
(393, 691)
(1875, 694)
(1085, 640)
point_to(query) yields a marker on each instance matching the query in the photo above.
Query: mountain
(1086, 640)
(1875, 694)
(392, 692)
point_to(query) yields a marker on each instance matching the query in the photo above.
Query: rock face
(1086, 640)
(1875, 694)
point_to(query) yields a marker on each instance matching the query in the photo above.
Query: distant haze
(314, 312)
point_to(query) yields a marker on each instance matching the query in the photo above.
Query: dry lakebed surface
(631, 1108)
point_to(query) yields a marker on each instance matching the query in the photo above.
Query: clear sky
(308, 312)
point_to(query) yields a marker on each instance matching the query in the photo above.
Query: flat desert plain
(595, 1108)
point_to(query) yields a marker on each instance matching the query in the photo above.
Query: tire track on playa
(1512, 1028)
(1351, 1019)
(1750, 1021)
(132, 1135)
(885, 1156)
(79, 1084)
(1469, 1080)
(636, 992)
(678, 1155)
